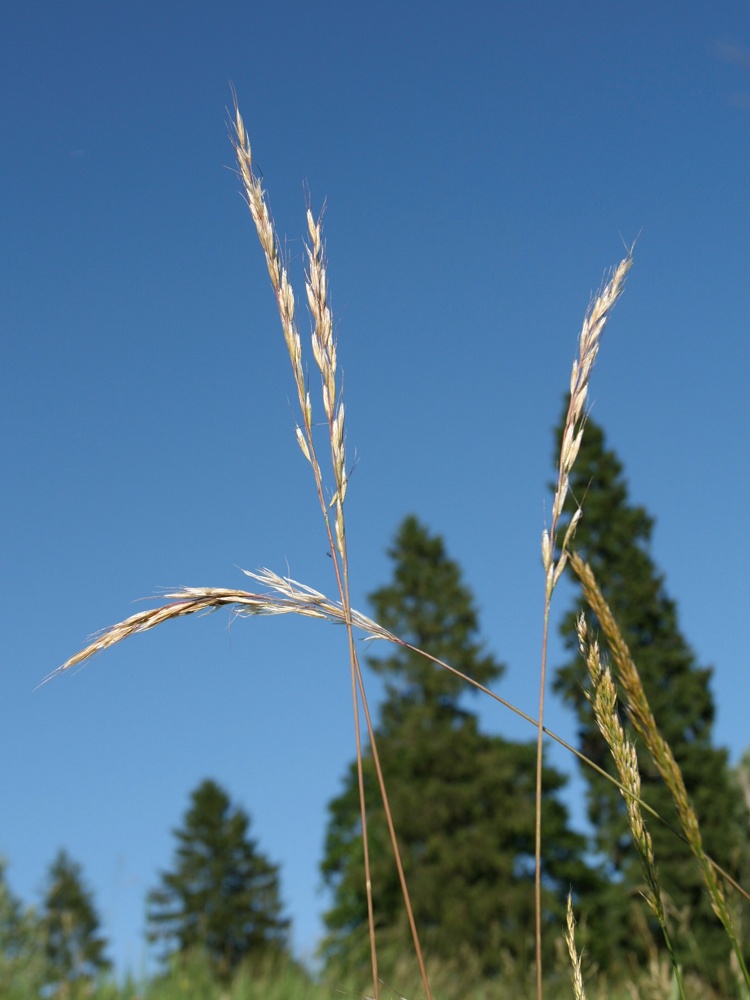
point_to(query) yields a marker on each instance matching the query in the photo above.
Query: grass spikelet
(575, 959)
(284, 596)
(589, 342)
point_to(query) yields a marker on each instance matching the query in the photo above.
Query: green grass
(192, 980)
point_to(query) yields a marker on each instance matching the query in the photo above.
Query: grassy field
(194, 981)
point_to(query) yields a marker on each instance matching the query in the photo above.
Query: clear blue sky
(482, 163)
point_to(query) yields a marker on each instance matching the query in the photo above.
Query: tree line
(221, 896)
(462, 799)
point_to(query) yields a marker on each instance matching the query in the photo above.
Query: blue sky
(482, 165)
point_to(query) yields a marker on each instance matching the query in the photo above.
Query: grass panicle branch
(603, 699)
(284, 596)
(589, 342)
(576, 959)
(645, 725)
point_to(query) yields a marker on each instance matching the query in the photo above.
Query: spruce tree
(462, 801)
(614, 538)
(222, 895)
(73, 944)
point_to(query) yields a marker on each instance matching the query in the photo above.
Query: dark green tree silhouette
(73, 945)
(22, 962)
(222, 895)
(614, 538)
(462, 801)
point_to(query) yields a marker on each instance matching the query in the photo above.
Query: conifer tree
(222, 895)
(73, 944)
(462, 801)
(614, 538)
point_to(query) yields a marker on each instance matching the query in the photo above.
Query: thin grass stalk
(394, 841)
(603, 700)
(588, 348)
(538, 802)
(645, 725)
(365, 839)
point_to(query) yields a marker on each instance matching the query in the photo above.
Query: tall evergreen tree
(222, 895)
(74, 947)
(614, 537)
(462, 801)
